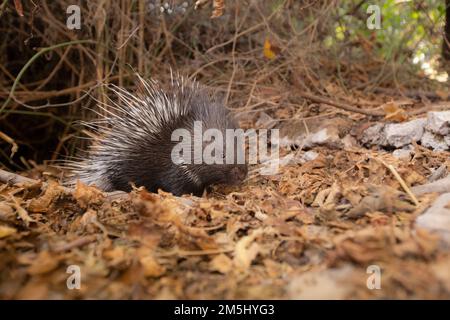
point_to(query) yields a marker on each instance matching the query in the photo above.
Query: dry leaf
(6, 212)
(42, 203)
(221, 263)
(151, 267)
(246, 250)
(33, 290)
(444, 95)
(270, 51)
(218, 6)
(116, 255)
(43, 263)
(19, 7)
(21, 212)
(394, 112)
(6, 231)
(86, 195)
(442, 272)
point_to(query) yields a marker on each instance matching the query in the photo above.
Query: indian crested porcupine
(132, 141)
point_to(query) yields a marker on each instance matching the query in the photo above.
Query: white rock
(437, 217)
(404, 153)
(374, 135)
(401, 134)
(328, 136)
(438, 186)
(447, 140)
(287, 142)
(290, 159)
(438, 174)
(439, 122)
(271, 164)
(434, 141)
(287, 159)
(310, 155)
(320, 137)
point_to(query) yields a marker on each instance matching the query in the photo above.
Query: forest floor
(325, 226)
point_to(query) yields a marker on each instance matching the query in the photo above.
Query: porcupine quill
(131, 142)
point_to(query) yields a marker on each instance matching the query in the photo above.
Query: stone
(447, 139)
(328, 137)
(434, 141)
(437, 186)
(439, 173)
(309, 156)
(439, 122)
(402, 134)
(374, 135)
(437, 218)
(404, 153)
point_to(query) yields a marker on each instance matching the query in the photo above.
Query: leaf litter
(310, 231)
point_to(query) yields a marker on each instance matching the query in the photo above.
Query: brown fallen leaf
(441, 270)
(444, 95)
(151, 267)
(385, 199)
(361, 253)
(6, 212)
(394, 112)
(221, 263)
(197, 236)
(19, 7)
(147, 234)
(86, 195)
(77, 243)
(246, 250)
(82, 222)
(33, 290)
(218, 8)
(6, 231)
(116, 255)
(270, 51)
(21, 212)
(44, 262)
(42, 204)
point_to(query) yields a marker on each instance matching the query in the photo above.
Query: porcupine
(132, 140)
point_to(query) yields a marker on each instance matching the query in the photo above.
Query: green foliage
(409, 29)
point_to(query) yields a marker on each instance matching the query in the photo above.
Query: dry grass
(49, 73)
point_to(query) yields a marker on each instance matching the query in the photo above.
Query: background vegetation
(259, 54)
